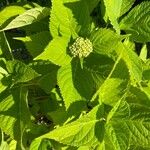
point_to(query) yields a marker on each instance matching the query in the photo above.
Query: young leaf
(28, 17)
(137, 22)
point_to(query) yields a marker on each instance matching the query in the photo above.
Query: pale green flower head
(81, 47)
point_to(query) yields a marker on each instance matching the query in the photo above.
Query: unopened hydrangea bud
(81, 47)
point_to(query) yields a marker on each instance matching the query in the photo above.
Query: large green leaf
(75, 84)
(87, 131)
(70, 18)
(28, 17)
(56, 52)
(139, 125)
(66, 85)
(128, 124)
(81, 15)
(61, 22)
(107, 42)
(137, 22)
(14, 114)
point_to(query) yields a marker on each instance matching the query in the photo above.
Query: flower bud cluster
(81, 47)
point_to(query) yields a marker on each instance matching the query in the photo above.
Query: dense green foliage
(74, 75)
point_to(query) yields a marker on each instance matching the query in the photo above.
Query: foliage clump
(74, 75)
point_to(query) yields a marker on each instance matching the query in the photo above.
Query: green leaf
(56, 52)
(132, 61)
(28, 17)
(116, 89)
(104, 41)
(12, 145)
(66, 85)
(80, 12)
(14, 114)
(87, 130)
(61, 22)
(48, 81)
(70, 18)
(20, 72)
(45, 144)
(43, 66)
(36, 43)
(128, 124)
(92, 4)
(113, 9)
(5, 13)
(107, 42)
(137, 95)
(116, 129)
(126, 5)
(2, 85)
(137, 22)
(75, 84)
(139, 125)
(121, 71)
(4, 146)
(99, 66)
